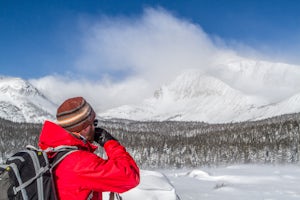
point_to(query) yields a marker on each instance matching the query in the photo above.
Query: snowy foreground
(239, 182)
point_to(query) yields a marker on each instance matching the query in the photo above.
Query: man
(82, 174)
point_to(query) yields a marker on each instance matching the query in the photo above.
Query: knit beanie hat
(75, 114)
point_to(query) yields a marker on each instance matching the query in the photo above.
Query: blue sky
(117, 52)
(41, 38)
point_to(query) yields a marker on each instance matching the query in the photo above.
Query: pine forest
(174, 144)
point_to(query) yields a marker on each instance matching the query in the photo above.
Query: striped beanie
(75, 114)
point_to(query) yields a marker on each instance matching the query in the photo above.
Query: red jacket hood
(52, 135)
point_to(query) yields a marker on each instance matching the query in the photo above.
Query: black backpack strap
(60, 153)
(58, 157)
(53, 149)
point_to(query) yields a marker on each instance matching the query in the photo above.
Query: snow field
(238, 182)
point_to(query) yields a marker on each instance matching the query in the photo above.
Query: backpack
(28, 174)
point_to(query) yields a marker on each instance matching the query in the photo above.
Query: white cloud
(102, 94)
(132, 57)
(147, 52)
(155, 47)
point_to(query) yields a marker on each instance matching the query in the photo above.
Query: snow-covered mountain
(21, 102)
(237, 91)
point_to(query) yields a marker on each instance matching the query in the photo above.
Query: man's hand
(102, 136)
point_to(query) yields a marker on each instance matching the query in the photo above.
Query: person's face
(89, 132)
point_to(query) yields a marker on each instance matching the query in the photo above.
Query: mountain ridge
(20, 101)
(241, 90)
(226, 96)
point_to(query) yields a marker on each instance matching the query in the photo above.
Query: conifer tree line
(173, 144)
(15, 136)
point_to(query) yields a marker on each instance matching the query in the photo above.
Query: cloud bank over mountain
(124, 60)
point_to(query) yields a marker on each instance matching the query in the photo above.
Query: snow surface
(237, 182)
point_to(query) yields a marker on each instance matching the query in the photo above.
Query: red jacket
(83, 173)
